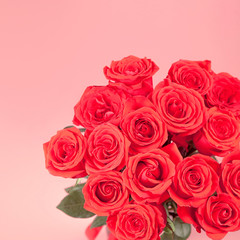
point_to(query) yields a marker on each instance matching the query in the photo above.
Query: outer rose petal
(187, 214)
(92, 233)
(172, 150)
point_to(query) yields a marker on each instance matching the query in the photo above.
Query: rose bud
(196, 179)
(132, 75)
(64, 153)
(138, 221)
(99, 105)
(182, 109)
(220, 135)
(192, 74)
(105, 193)
(107, 149)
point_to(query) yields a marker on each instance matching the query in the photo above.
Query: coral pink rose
(138, 221)
(149, 175)
(182, 109)
(220, 135)
(64, 153)
(192, 74)
(217, 216)
(107, 149)
(99, 105)
(230, 177)
(196, 179)
(132, 74)
(144, 128)
(105, 193)
(225, 93)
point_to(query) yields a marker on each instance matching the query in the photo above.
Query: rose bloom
(98, 105)
(64, 153)
(105, 193)
(138, 221)
(225, 93)
(230, 177)
(145, 129)
(107, 149)
(217, 216)
(182, 109)
(192, 74)
(149, 175)
(220, 135)
(132, 74)
(196, 179)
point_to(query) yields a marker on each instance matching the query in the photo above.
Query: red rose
(105, 193)
(225, 93)
(192, 74)
(98, 105)
(149, 175)
(138, 221)
(182, 109)
(107, 149)
(230, 177)
(143, 126)
(132, 74)
(64, 153)
(196, 179)
(219, 136)
(217, 216)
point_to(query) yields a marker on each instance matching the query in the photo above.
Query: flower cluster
(148, 154)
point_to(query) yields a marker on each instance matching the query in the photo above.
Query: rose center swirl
(108, 191)
(148, 172)
(143, 129)
(65, 150)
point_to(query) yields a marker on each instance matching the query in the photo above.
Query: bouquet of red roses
(148, 155)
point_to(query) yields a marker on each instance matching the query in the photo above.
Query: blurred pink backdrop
(51, 50)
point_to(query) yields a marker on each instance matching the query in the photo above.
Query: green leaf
(171, 224)
(82, 129)
(167, 230)
(170, 236)
(214, 158)
(167, 236)
(73, 203)
(75, 187)
(68, 127)
(99, 221)
(182, 229)
(165, 205)
(192, 153)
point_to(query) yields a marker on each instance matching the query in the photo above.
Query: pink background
(51, 50)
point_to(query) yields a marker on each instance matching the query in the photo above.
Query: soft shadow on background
(51, 50)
